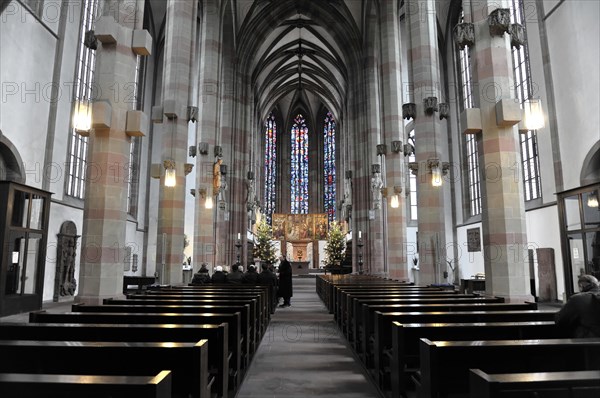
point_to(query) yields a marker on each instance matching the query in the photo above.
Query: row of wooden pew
(185, 341)
(434, 342)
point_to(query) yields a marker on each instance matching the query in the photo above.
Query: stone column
(425, 70)
(503, 213)
(179, 50)
(393, 130)
(208, 119)
(105, 207)
(372, 235)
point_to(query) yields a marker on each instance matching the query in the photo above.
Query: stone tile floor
(304, 355)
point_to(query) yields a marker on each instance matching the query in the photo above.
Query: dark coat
(266, 277)
(219, 277)
(580, 316)
(235, 277)
(201, 278)
(251, 277)
(285, 279)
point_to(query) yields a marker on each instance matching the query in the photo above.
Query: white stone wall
(572, 36)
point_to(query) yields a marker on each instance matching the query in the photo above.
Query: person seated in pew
(251, 276)
(268, 277)
(236, 275)
(201, 277)
(219, 276)
(580, 316)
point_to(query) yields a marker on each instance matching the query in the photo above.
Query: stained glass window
(270, 166)
(299, 165)
(329, 165)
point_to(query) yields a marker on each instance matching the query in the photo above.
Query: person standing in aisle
(285, 282)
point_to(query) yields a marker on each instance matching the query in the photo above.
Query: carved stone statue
(376, 185)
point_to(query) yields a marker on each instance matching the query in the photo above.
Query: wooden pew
(256, 317)
(367, 326)
(266, 296)
(223, 296)
(30, 385)
(445, 364)
(400, 356)
(580, 384)
(345, 309)
(233, 320)
(244, 310)
(217, 336)
(140, 281)
(186, 361)
(342, 292)
(363, 309)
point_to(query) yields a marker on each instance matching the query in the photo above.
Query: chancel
(430, 169)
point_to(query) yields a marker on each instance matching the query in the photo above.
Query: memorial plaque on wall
(474, 240)
(547, 275)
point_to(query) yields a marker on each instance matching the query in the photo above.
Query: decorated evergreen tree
(263, 248)
(336, 245)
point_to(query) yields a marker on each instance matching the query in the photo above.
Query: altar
(299, 267)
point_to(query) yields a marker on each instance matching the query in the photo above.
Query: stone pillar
(105, 207)
(208, 119)
(393, 130)
(425, 69)
(178, 53)
(503, 213)
(373, 213)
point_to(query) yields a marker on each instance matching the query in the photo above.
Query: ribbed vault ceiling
(302, 55)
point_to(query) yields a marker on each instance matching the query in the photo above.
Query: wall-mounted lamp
(438, 169)
(208, 200)
(82, 117)
(533, 114)
(592, 200)
(395, 199)
(170, 173)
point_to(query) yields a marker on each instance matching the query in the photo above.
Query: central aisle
(304, 355)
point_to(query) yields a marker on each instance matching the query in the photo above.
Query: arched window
(524, 90)
(299, 165)
(270, 165)
(86, 63)
(470, 141)
(329, 165)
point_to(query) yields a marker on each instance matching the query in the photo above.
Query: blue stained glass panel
(299, 166)
(270, 166)
(329, 166)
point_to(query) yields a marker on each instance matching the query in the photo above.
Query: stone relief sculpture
(65, 283)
